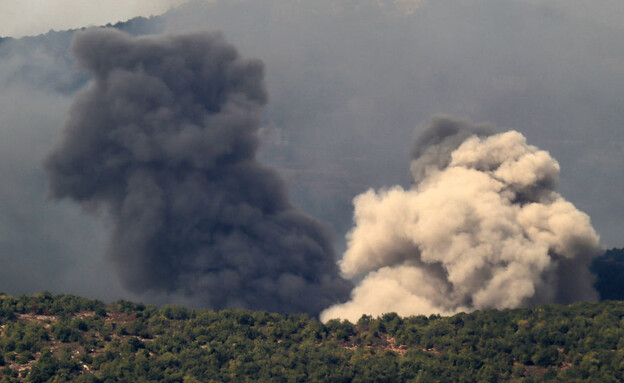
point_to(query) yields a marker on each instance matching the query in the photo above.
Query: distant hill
(45, 60)
(609, 270)
(46, 338)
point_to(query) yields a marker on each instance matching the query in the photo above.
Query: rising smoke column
(163, 143)
(481, 227)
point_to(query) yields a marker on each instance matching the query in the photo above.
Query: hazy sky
(32, 17)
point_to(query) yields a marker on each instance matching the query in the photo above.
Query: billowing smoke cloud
(163, 143)
(344, 97)
(481, 227)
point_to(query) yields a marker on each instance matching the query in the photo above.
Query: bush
(548, 356)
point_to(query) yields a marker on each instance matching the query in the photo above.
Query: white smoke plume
(481, 227)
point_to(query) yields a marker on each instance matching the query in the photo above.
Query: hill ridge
(47, 337)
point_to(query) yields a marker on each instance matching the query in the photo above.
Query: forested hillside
(62, 338)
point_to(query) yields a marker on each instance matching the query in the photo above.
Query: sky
(34, 17)
(349, 84)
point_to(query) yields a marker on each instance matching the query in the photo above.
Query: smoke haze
(481, 227)
(163, 142)
(349, 81)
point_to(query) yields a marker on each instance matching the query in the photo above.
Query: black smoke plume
(163, 143)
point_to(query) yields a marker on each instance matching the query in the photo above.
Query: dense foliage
(46, 338)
